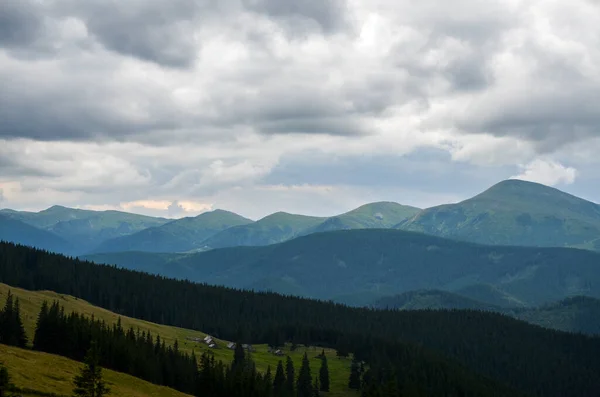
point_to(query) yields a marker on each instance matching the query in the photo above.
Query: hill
(430, 300)
(31, 303)
(515, 212)
(473, 346)
(271, 229)
(352, 265)
(578, 314)
(176, 236)
(380, 215)
(19, 232)
(38, 373)
(85, 229)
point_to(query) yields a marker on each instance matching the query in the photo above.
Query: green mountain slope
(271, 229)
(515, 212)
(176, 236)
(85, 229)
(437, 348)
(489, 295)
(580, 314)
(430, 300)
(362, 265)
(20, 232)
(576, 314)
(380, 215)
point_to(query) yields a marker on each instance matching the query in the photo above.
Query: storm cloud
(107, 102)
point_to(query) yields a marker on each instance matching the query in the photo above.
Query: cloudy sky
(174, 107)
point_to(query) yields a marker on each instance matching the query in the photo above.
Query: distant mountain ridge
(16, 231)
(379, 215)
(515, 212)
(357, 266)
(281, 226)
(272, 229)
(179, 235)
(84, 229)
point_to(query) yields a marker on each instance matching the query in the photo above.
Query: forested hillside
(528, 358)
(359, 266)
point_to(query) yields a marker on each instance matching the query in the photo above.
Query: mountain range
(79, 230)
(515, 212)
(359, 266)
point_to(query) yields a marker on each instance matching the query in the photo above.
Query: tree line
(470, 353)
(147, 357)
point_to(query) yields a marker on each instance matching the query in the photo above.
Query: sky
(175, 107)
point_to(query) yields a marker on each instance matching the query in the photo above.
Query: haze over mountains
(374, 252)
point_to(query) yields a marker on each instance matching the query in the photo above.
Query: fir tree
(4, 380)
(89, 382)
(316, 388)
(239, 356)
(304, 383)
(290, 377)
(20, 335)
(324, 374)
(354, 382)
(279, 383)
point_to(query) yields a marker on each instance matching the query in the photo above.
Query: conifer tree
(279, 383)
(324, 374)
(290, 377)
(354, 382)
(268, 383)
(4, 380)
(20, 335)
(89, 382)
(6, 322)
(239, 356)
(304, 383)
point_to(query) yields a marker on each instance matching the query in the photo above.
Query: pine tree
(40, 332)
(4, 380)
(239, 356)
(20, 335)
(268, 383)
(290, 377)
(279, 383)
(304, 383)
(354, 382)
(316, 388)
(89, 382)
(324, 374)
(7, 326)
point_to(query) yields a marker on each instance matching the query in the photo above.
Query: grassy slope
(31, 301)
(515, 212)
(48, 373)
(369, 216)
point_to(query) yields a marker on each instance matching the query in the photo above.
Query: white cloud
(547, 172)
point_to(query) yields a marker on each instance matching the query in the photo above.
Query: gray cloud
(156, 31)
(188, 99)
(302, 15)
(20, 23)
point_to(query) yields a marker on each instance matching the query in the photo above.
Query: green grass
(48, 373)
(31, 302)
